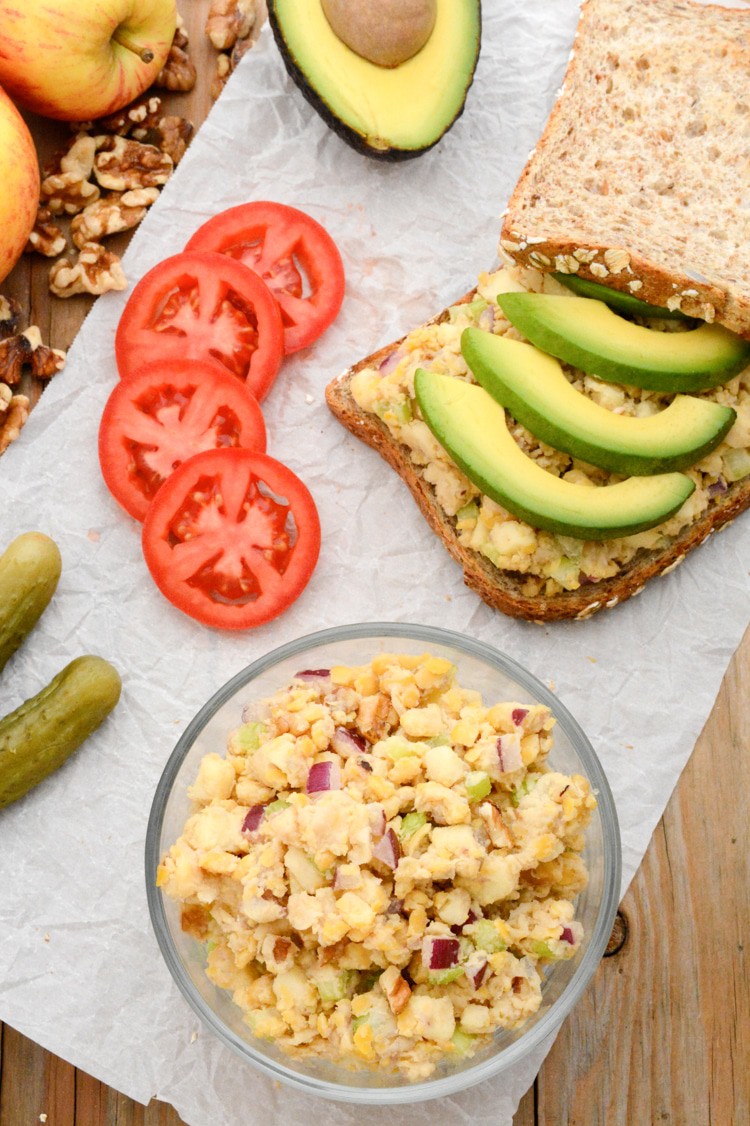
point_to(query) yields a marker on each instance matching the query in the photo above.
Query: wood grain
(662, 1035)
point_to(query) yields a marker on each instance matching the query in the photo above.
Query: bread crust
(531, 236)
(502, 589)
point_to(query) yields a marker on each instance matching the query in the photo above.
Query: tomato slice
(162, 415)
(232, 538)
(294, 255)
(203, 307)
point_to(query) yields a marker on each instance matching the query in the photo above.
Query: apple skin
(60, 59)
(19, 176)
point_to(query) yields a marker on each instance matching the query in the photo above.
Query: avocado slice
(471, 426)
(616, 299)
(391, 113)
(588, 335)
(534, 388)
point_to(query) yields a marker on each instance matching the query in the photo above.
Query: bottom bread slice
(500, 588)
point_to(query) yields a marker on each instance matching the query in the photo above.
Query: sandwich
(580, 421)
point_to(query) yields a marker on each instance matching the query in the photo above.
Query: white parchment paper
(80, 971)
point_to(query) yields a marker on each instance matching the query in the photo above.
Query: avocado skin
(493, 463)
(616, 299)
(351, 136)
(496, 364)
(526, 312)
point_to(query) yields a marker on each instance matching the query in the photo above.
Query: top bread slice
(641, 179)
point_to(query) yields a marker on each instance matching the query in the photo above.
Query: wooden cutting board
(662, 1034)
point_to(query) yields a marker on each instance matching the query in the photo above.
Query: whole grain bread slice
(501, 589)
(641, 179)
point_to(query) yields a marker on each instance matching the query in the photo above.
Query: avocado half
(390, 113)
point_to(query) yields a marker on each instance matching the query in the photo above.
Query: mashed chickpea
(382, 864)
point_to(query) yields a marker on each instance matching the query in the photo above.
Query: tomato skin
(218, 547)
(272, 238)
(164, 414)
(203, 306)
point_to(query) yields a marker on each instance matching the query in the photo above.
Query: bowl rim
(611, 875)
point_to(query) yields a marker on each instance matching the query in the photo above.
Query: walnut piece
(169, 133)
(26, 349)
(111, 214)
(122, 164)
(97, 270)
(125, 119)
(79, 158)
(10, 315)
(223, 70)
(67, 193)
(230, 20)
(178, 72)
(46, 238)
(14, 410)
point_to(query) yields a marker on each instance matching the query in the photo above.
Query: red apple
(19, 176)
(77, 59)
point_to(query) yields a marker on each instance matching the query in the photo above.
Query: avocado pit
(385, 32)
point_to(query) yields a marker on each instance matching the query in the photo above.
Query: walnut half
(97, 270)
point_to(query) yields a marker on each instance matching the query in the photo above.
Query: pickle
(29, 571)
(44, 731)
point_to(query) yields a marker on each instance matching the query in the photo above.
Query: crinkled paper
(80, 971)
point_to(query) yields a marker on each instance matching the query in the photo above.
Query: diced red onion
(509, 753)
(388, 849)
(518, 715)
(313, 674)
(458, 928)
(439, 953)
(348, 743)
(377, 817)
(253, 818)
(323, 776)
(487, 319)
(391, 362)
(475, 969)
(717, 488)
(568, 936)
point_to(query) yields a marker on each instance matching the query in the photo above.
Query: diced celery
(469, 308)
(276, 806)
(736, 464)
(443, 977)
(211, 945)
(468, 512)
(541, 949)
(413, 821)
(359, 1021)
(398, 411)
(367, 980)
(334, 986)
(438, 741)
(522, 790)
(396, 750)
(478, 785)
(251, 735)
(486, 937)
(462, 1042)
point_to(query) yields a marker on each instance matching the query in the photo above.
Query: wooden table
(662, 1034)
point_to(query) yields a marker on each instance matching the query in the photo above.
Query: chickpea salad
(547, 562)
(381, 867)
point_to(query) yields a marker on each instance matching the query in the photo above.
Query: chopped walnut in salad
(382, 866)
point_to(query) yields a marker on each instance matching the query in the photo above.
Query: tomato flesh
(292, 253)
(203, 307)
(232, 538)
(163, 415)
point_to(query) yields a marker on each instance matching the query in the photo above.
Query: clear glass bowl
(498, 678)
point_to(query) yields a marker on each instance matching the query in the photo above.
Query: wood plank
(663, 1032)
(33, 1083)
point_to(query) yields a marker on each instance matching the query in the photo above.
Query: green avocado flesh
(387, 112)
(616, 299)
(471, 427)
(534, 388)
(588, 335)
